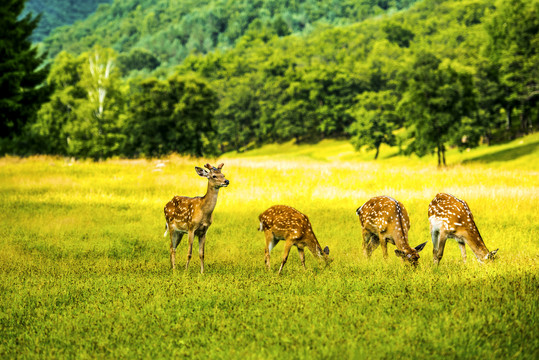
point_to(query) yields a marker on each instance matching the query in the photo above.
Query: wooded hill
(171, 30)
(56, 13)
(150, 78)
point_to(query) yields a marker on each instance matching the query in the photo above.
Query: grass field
(84, 266)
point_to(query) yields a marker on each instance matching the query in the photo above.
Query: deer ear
(220, 166)
(492, 253)
(326, 250)
(420, 246)
(202, 172)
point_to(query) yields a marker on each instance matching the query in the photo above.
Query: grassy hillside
(521, 153)
(85, 269)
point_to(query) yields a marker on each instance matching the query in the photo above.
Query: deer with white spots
(193, 216)
(281, 222)
(385, 220)
(450, 217)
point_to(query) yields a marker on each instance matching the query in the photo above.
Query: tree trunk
(377, 152)
(508, 111)
(523, 120)
(443, 154)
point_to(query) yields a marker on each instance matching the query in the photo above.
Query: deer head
(216, 179)
(412, 256)
(491, 255)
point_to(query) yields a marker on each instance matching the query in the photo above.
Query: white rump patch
(272, 245)
(435, 222)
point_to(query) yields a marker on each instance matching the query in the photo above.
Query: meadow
(85, 272)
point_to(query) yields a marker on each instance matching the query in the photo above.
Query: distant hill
(56, 13)
(171, 30)
(522, 153)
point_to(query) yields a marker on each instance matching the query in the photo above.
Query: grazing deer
(193, 216)
(450, 217)
(384, 220)
(281, 222)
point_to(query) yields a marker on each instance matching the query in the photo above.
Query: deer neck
(401, 240)
(478, 246)
(209, 200)
(315, 248)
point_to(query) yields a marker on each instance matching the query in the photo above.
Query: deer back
(285, 222)
(451, 214)
(385, 215)
(184, 212)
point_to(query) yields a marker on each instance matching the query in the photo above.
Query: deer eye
(215, 177)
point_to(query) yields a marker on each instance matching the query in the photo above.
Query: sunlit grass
(85, 269)
(519, 153)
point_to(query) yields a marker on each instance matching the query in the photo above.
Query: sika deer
(384, 220)
(193, 216)
(281, 222)
(451, 217)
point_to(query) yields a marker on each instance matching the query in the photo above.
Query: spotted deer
(385, 220)
(450, 217)
(281, 222)
(193, 216)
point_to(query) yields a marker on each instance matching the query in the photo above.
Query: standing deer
(193, 216)
(451, 217)
(384, 220)
(281, 222)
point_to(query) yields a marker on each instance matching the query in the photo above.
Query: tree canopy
(22, 75)
(213, 76)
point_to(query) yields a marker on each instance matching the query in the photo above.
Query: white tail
(384, 220)
(450, 217)
(193, 216)
(281, 222)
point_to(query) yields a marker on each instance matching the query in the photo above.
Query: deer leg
(287, 247)
(201, 243)
(462, 247)
(478, 248)
(301, 252)
(175, 239)
(370, 243)
(438, 248)
(270, 244)
(383, 243)
(191, 235)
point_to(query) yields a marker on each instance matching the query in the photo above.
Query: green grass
(84, 268)
(522, 152)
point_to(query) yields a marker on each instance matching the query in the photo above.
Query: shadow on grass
(506, 154)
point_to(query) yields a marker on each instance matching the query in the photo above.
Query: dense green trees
(94, 113)
(22, 75)
(514, 50)
(437, 100)
(176, 115)
(376, 120)
(443, 73)
(57, 13)
(171, 30)
(85, 114)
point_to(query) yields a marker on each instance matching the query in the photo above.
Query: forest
(56, 13)
(150, 78)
